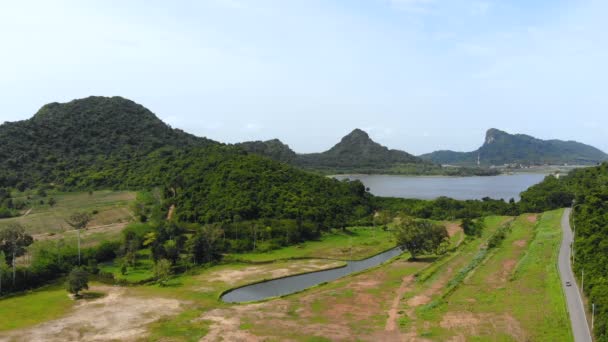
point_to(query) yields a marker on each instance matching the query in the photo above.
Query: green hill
(357, 153)
(357, 150)
(273, 149)
(503, 148)
(114, 143)
(62, 137)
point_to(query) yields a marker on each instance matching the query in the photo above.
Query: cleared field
(111, 206)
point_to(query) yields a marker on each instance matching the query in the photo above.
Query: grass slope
(514, 295)
(354, 243)
(111, 206)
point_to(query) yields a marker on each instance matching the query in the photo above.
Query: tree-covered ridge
(357, 149)
(222, 183)
(503, 148)
(357, 153)
(589, 188)
(64, 136)
(101, 142)
(274, 149)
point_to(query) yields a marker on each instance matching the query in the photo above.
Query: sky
(417, 75)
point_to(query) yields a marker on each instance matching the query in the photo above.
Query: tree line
(587, 190)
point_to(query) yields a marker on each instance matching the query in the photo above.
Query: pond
(296, 283)
(462, 188)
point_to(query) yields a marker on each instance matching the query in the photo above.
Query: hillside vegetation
(64, 137)
(193, 189)
(358, 153)
(501, 148)
(589, 188)
(107, 209)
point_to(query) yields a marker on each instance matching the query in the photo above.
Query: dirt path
(116, 316)
(171, 212)
(391, 322)
(89, 230)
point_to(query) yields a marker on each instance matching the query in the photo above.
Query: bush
(78, 280)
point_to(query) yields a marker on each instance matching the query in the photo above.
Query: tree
(171, 250)
(162, 271)
(79, 221)
(205, 245)
(78, 280)
(13, 242)
(3, 268)
(472, 228)
(420, 236)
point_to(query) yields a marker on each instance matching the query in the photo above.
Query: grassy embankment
(514, 294)
(352, 244)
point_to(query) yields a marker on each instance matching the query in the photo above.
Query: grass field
(355, 243)
(34, 307)
(111, 207)
(140, 272)
(515, 295)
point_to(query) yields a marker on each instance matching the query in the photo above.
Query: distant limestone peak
(492, 135)
(500, 148)
(356, 135)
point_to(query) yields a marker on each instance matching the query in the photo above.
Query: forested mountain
(503, 148)
(101, 142)
(274, 149)
(357, 153)
(357, 150)
(226, 184)
(589, 188)
(62, 137)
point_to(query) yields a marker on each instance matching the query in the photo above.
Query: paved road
(580, 329)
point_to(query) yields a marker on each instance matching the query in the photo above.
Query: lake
(462, 188)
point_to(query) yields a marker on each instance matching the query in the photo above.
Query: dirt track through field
(85, 232)
(391, 322)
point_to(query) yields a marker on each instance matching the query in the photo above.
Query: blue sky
(418, 75)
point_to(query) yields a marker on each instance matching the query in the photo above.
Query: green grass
(180, 328)
(355, 243)
(111, 207)
(34, 307)
(514, 294)
(141, 272)
(531, 293)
